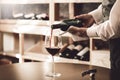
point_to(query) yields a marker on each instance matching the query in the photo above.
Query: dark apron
(114, 45)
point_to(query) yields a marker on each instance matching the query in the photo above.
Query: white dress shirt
(109, 29)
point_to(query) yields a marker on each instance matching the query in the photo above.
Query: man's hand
(87, 19)
(78, 31)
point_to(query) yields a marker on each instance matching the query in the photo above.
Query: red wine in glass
(52, 50)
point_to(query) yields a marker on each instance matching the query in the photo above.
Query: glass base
(53, 75)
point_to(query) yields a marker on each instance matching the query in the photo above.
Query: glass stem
(53, 65)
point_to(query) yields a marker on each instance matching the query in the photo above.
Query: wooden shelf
(23, 1)
(24, 22)
(42, 57)
(101, 58)
(35, 27)
(77, 1)
(46, 1)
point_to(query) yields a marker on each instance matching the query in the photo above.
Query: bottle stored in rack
(66, 52)
(75, 51)
(83, 54)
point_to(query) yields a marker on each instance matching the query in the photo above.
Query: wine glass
(53, 46)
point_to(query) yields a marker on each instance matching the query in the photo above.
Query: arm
(110, 28)
(99, 17)
(101, 14)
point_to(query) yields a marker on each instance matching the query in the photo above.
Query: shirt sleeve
(101, 14)
(110, 28)
(97, 14)
(104, 31)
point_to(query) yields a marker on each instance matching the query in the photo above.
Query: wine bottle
(65, 24)
(29, 16)
(83, 54)
(66, 52)
(74, 52)
(42, 16)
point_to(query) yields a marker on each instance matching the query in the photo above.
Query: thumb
(82, 16)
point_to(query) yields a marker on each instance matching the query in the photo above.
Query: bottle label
(71, 47)
(78, 47)
(82, 52)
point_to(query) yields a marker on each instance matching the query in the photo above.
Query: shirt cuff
(92, 31)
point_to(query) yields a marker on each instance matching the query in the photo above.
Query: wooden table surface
(39, 70)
